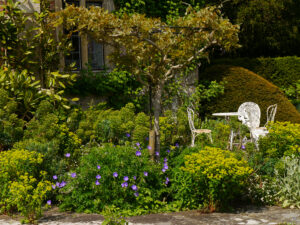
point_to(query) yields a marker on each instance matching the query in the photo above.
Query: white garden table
(227, 116)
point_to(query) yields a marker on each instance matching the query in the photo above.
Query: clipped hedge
(281, 71)
(242, 85)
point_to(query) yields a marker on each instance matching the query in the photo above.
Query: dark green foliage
(11, 127)
(153, 8)
(116, 87)
(281, 71)
(242, 85)
(83, 195)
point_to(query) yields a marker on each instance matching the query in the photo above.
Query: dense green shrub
(114, 177)
(283, 140)
(287, 182)
(49, 135)
(242, 85)
(11, 127)
(116, 87)
(281, 71)
(19, 183)
(216, 177)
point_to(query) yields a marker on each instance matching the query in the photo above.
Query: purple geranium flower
(57, 184)
(126, 178)
(136, 194)
(98, 167)
(98, 177)
(138, 153)
(166, 167)
(149, 147)
(53, 186)
(125, 184)
(73, 175)
(134, 177)
(163, 170)
(138, 144)
(97, 182)
(168, 151)
(134, 187)
(68, 155)
(49, 202)
(54, 177)
(177, 145)
(243, 147)
(147, 138)
(115, 174)
(146, 174)
(157, 153)
(127, 135)
(165, 160)
(167, 180)
(62, 184)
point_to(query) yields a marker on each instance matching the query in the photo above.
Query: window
(95, 50)
(75, 54)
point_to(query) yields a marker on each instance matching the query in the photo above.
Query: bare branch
(169, 74)
(153, 44)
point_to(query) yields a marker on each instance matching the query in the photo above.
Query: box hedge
(242, 85)
(281, 71)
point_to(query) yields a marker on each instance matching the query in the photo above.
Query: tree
(149, 48)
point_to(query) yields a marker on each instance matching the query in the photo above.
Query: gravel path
(250, 216)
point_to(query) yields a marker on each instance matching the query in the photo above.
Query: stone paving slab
(250, 216)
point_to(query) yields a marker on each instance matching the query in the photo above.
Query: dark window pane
(74, 56)
(95, 54)
(95, 49)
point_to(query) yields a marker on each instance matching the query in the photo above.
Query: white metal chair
(271, 112)
(262, 131)
(196, 132)
(249, 113)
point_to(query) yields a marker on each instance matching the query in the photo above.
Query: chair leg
(193, 140)
(210, 138)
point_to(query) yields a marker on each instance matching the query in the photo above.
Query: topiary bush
(281, 71)
(242, 85)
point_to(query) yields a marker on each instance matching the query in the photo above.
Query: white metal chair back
(249, 113)
(191, 116)
(271, 112)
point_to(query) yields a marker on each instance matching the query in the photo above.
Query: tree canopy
(149, 48)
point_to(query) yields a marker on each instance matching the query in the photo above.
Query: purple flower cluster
(59, 185)
(115, 174)
(167, 180)
(165, 167)
(138, 153)
(124, 184)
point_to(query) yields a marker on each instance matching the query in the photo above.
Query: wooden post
(152, 144)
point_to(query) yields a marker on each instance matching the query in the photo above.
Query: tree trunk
(157, 110)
